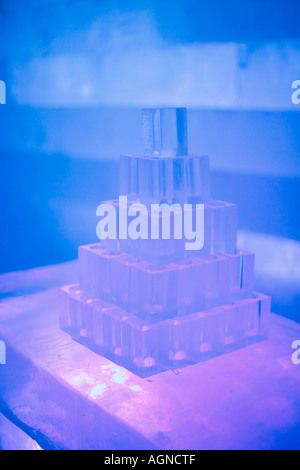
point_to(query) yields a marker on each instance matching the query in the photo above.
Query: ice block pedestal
(150, 302)
(58, 394)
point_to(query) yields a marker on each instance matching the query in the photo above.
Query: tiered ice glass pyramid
(151, 304)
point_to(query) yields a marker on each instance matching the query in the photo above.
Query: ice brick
(108, 330)
(121, 278)
(154, 291)
(141, 344)
(175, 342)
(207, 333)
(165, 131)
(216, 280)
(95, 270)
(202, 283)
(150, 180)
(247, 319)
(72, 303)
(220, 227)
(264, 312)
(241, 274)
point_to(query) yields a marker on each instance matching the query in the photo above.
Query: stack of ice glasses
(149, 302)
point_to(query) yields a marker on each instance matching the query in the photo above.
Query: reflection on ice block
(150, 347)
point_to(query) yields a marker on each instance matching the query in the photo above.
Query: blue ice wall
(224, 55)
